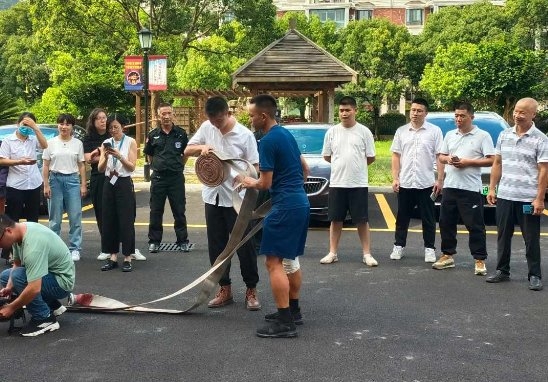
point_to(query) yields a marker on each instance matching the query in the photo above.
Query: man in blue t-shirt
(42, 274)
(282, 171)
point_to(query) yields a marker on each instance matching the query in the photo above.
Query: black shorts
(344, 200)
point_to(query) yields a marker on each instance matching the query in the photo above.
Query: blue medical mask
(25, 130)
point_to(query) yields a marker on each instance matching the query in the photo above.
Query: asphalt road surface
(401, 321)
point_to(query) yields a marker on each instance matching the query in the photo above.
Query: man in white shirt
(350, 148)
(221, 132)
(415, 150)
(464, 151)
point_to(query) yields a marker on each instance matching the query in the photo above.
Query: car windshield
(309, 140)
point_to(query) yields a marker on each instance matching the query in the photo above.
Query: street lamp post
(145, 39)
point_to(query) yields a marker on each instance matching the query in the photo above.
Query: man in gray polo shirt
(464, 151)
(521, 172)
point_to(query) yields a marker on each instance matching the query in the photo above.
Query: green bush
(388, 123)
(541, 121)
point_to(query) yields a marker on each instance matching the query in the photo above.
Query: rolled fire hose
(212, 170)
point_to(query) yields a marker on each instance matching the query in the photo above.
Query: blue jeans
(65, 195)
(39, 308)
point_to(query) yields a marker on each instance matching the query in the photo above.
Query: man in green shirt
(42, 274)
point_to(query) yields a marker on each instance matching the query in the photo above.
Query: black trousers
(468, 205)
(220, 221)
(408, 198)
(96, 183)
(172, 187)
(118, 217)
(508, 214)
(23, 204)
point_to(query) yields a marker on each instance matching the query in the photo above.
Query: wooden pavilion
(293, 66)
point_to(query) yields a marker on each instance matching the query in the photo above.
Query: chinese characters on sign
(133, 73)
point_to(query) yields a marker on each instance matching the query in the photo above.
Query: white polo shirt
(21, 177)
(476, 144)
(349, 148)
(417, 149)
(237, 143)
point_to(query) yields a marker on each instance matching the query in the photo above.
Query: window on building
(364, 14)
(414, 16)
(336, 15)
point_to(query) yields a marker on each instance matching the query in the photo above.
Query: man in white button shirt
(415, 149)
(221, 132)
(464, 151)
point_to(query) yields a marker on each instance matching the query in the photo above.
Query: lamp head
(145, 38)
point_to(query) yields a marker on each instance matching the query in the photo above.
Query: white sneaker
(329, 258)
(75, 255)
(103, 256)
(397, 253)
(369, 260)
(429, 255)
(138, 255)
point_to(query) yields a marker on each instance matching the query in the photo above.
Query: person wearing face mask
(65, 181)
(18, 152)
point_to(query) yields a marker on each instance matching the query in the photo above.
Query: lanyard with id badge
(114, 173)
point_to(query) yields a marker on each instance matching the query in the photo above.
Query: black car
(309, 138)
(49, 131)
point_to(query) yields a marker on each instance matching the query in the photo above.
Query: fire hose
(212, 170)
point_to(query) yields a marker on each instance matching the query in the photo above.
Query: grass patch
(380, 171)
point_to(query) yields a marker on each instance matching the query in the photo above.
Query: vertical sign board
(133, 73)
(157, 73)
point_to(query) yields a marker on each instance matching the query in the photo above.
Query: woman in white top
(65, 181)
(117, 161)
(18, 152)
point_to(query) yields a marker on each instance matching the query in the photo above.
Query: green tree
(470, 23)
(375, 48)
(8, 107)
(209, 64)
(493, 74)
(531, 22)
(324, 34)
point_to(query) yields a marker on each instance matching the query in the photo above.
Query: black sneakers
(278, 329)
(109, 265)
(127, 266)
(36, 327)
(297, 317)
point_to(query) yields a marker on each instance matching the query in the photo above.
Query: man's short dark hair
(215, 106)
(66, 118)
(5, 222)
(348, 101)
(464, 105)
(164, 104)
(421, 101)
(267, 103)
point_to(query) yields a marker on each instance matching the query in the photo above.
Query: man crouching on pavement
(42, 273)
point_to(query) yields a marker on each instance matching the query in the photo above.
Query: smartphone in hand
(107, 145)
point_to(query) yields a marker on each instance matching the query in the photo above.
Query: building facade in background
(411, 13)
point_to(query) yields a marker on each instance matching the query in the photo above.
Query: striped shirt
(520, 157)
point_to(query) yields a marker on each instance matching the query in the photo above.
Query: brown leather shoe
(222, 298)
(251, 300)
